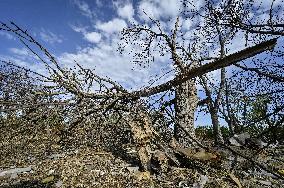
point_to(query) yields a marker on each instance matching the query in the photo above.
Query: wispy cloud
(50, 37)
(159, 9)
(93, 37)
(111, 26)
(84, 8)
(23, 54)
(7, 35)
(108, 62)
(103, 56)
(125, 11)
(20, 51)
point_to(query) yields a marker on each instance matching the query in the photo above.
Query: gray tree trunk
(216, 126)
(185, 106)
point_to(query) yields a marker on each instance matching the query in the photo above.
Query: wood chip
(236, 180)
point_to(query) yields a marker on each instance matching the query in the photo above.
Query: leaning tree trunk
(185, 106)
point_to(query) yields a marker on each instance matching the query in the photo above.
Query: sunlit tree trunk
(216, 126)
(185, 106)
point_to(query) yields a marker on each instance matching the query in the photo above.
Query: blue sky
(53, 18)
(88, 31)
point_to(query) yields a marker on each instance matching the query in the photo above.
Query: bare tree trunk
(185, 106)
(228, 107)
(216, 126)
(213, 106)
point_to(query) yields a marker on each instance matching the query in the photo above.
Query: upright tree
(209, 39)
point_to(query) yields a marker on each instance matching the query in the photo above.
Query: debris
(143, 175)
(161, 159)
(15, 170)
(102, 153)
(48, 179)
(56, 156)
(268, 183)
(183, 184)
(236, 180)
(50, 172)
(59, 183)
(132, 169)
(239, 139)
(201, 183)
(200, 155)
(281, 171)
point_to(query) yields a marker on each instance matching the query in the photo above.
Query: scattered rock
(15, 171)
(56, 156)
(239, 139)
(268, 183)
(59, 183)
(201, 183)
(50, 172)
(132, 169)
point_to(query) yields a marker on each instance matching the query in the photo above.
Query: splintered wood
(142, 134)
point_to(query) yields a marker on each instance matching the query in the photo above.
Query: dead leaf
(143, 175)
(205, 156)
(102, 153)
(200, 155)
(48, 179)
(281, 172)
(236, 180)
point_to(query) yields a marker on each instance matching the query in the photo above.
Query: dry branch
(215, 65)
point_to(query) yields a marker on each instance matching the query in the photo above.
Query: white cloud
(157, 9)
(7, 35)
(18, 51)
(119, 67)
(186, 24)
(126, 11)
(195, 4)
(78, 29)
(93, 37)
(50, 37)
(23, 54)
(99, 3)
(84, 8)
(265, 5)
(170, 8)
(150, 8)
(112, 26)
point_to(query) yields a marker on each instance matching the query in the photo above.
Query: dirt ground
(29, 157)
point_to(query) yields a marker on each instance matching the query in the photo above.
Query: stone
(58, 183)
(15, 170)
(133, 169)
(239, 139)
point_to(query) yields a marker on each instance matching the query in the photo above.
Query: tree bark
(229, 120)
(213, 107)
(185, 106)
(216, 126)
